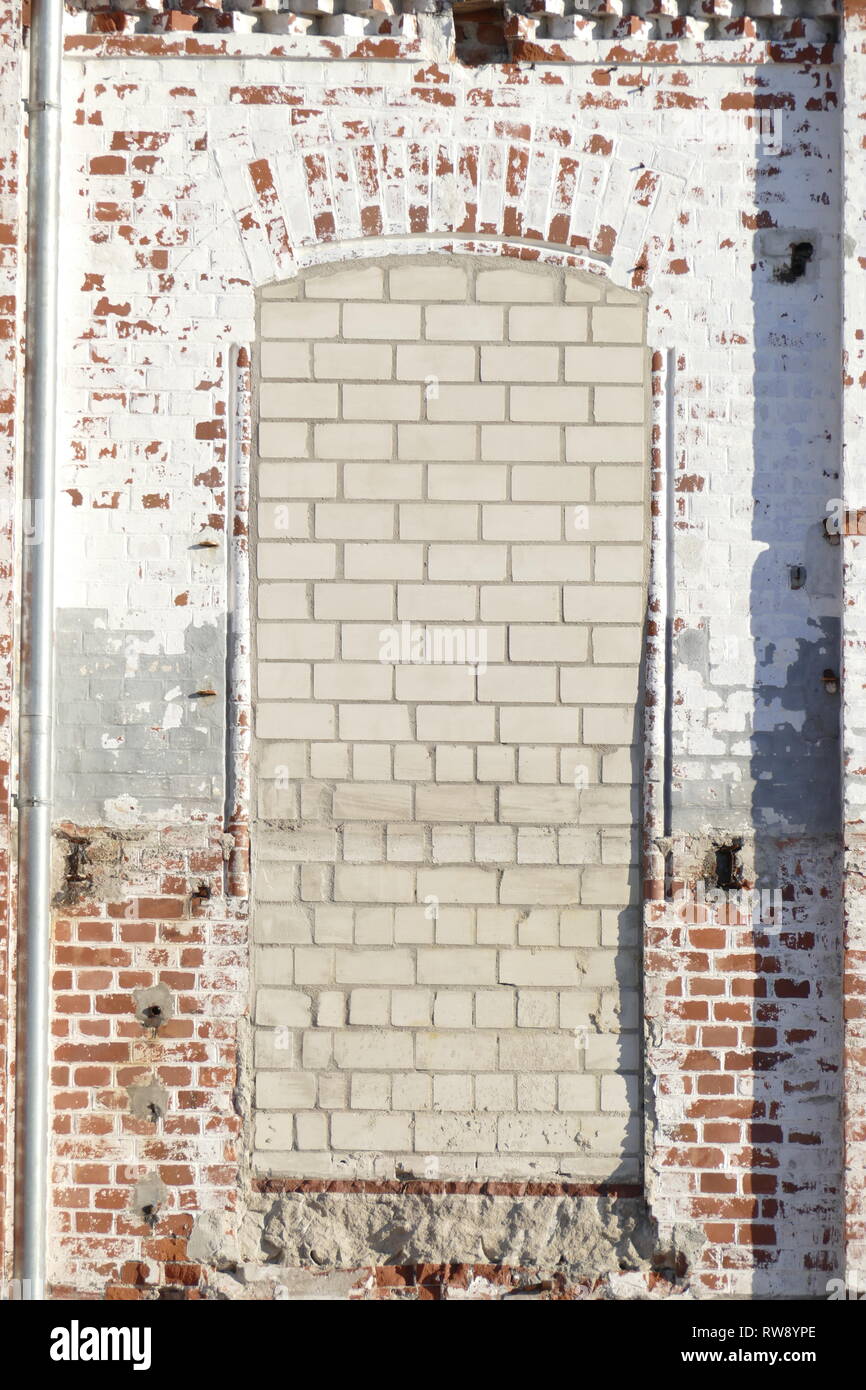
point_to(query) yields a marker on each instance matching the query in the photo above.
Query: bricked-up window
(451, 528)
(479, 31)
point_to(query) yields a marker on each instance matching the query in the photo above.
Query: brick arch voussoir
(523, 198)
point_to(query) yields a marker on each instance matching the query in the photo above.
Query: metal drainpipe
(36, 697)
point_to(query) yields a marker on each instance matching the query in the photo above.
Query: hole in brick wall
(728, 874)
(148, 1198)
(797, 575)
(77, 881)
(148, 1101)
(801, 255)
(153, 1006)
(479, 33)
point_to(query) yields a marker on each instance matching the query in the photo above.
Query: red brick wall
(162, 931)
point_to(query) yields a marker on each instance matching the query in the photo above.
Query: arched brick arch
(540, 194)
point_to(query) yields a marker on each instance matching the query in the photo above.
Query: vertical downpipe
(36, 699)
(237, 674)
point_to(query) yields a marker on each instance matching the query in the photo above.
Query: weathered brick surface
(199, 175)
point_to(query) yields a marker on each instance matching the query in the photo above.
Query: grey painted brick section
(449, 853)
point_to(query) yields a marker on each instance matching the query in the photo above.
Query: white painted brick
(441, 966)
(307, 400)
(429, 521)
(563, 404)
(468, 722)
(283, 681)
(353, 680)
(479, 482)
(568, 563)
(434, 683)
(381, 402)
(356, 282)
(353, 441)
(619, 484)
(580, 290)
(539, 724)
(390, 322)
(547, 643)
(384, 561)
(411, 1008)
(520, 364)
(520, 443)
(296, 641)
(520, 602)
(473, 562)
(282, 601)
(283, 441)
(619, 603)
(295, 721)
(354, 601)
(549, 324)
(530, 684)
(286, 360)
(617, 325)
(373, 1133)
(391, 480)
(600, 684)
(464, 323)
(605, 444)
(513, 522)
(298, 479)
(391, 967)
(377, 723)
(618, 563)
(460, 1052)
(354, 520)
(617, 644)
(445, 602)
(455, 1134)
(382, 883)
(512, 286)
(284, 1008)
(282, 520)
(609, 726)
(300, 320)
(296, 560)
(456, 885)
(454, 803)
(436, 443)
(474, 403)
(538, 805)
(605, 364)
(426, 361)
(620, 404)
(418, 281)
(351, 361)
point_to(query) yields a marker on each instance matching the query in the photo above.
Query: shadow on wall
(792, 1159)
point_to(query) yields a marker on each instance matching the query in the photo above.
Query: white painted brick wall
(662, 180)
